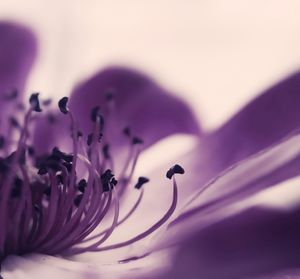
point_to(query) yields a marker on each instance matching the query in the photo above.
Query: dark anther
(114, 181)
(105, 151)
(82, 185)
(97, 116)
(2, 142)
(47, 102)
(34, 102)
(62, 104)
(44, 163)
(14, 122)
(89, 139)
(175, 169)
(106, 178)
(17, 187)
(42, 170)
(141, 181)
(36, 207)
(136, 140)
(47, 191)
(110, 95)
(95, 112)
(68, 166)
(127, 131)
(78, 199)
(30, 150)
(61, 155)
(79, 134)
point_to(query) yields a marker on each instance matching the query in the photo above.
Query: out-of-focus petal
(254, 242)
(18, 49)
(256, 173)
(36, 266)
(272, 116)
(50, 130)
(266, 120)
(138, 102)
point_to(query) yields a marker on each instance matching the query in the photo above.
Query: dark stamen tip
(176, 169)
(62, 105)
(78, 199)
(127, 132)
(89, 139)
(47, 191)
(82, 185)
(136, 140)
(42, 170)
(114, 181)
(106, 179)
(34, 102)
(141, 181)
(17, 188)
(105, 151)
(95, 112)
(31, 150)
(110, 95)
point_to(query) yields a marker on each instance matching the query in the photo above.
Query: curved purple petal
(260, 171)
(266, 120)
(18, 49)
(140, 103)
(254, 242)
(263, 123)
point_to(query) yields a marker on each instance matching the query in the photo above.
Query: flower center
(45, 207)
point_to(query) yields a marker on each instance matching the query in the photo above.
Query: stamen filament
(146, 233)
(130, 213)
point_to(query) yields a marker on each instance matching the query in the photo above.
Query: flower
(52, 200)
(257, 149)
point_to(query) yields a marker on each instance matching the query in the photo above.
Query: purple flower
(71, 209)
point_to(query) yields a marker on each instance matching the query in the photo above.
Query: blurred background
(216, 54)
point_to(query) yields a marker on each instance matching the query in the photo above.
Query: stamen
(149, 231)
(62, 104)
(34, 102)
(125, 218)
(141, 181)
(47, 208)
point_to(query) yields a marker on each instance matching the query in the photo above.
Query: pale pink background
(216, 54)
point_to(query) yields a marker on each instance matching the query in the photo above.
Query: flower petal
(140, 103)
(18, 49)
(255, 242)
(43, 266)
(266, 120)
(149, 111)
(256, 173)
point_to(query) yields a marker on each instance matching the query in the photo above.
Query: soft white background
(216, 54)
